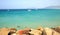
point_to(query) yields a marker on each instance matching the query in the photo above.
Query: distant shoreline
(26, 9)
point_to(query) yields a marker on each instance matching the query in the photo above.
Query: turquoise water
(23, 18)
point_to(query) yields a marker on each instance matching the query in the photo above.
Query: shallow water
(23, 18)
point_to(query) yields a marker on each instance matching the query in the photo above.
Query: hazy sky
(21, 4)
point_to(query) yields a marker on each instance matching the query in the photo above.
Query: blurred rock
(35, 32)
(47, 31)
(29, 31)
(13, 29)
(57, 29)
(55, 33)
(40, 28)
(4, 31)
(23, 32)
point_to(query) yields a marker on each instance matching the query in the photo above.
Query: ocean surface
(33, 18)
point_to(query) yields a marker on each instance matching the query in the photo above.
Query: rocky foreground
(29, 31)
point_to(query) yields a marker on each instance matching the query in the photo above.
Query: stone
(57, 29)
(35, 32)
(40, 28)
(13, 29)
(47, 31)
(4, 31)
(55, 33)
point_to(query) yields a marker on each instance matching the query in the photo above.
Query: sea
(29, 18)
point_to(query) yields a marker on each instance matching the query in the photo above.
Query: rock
(40, 29)
(4, 31)
(35, 32)
(12, 33)
(55, 33)
(13, 29)
(20, 32)
(23, 32)
(57, 29)
(27, 29)
(47, 31)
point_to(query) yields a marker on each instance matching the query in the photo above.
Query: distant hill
(52, 7)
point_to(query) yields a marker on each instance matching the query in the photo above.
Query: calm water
(23, 18)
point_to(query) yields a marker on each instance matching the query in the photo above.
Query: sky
(30, 4)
